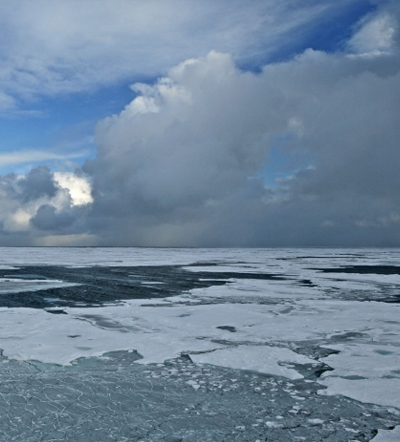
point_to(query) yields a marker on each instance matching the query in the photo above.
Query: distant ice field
(325, 321)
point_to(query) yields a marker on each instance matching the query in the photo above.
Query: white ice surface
(259, 359)
(378, 363)
(115, 256)
(380, 391)
(388, 435)
(293, 261)
(160, 333)
(16, 285)
(372, 359)
(245, 288)
(269, 317)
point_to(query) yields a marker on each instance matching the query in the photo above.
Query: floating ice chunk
(372, 360)
(315, 421)
(380, 391)
(245, 288)
(387, 435)
(18, 285)
(365, 372)
(193, 384)
(261, 359)
(272, 424)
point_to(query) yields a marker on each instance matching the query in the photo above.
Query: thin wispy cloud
(62, 47)
(35, 156)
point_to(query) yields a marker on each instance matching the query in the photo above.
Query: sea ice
(288, 327)
(388, 435)
(260, 359)
(17, 285)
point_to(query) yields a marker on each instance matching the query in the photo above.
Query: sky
(200, 123)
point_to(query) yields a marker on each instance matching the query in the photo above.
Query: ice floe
(267, 326)
(388, 435)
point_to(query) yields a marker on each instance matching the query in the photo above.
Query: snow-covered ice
(17, 285)
(262, 359)
(341, 327)
(388, 435)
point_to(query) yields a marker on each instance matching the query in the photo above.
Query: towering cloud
(183, 163)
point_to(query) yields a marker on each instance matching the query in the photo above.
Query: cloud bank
(184, 164)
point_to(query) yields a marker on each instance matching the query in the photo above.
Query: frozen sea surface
(136, 344)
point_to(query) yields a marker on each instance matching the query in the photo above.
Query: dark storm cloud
(47, 218)
(35, 205)
(39, 182)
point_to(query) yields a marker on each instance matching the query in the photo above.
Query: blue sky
(68, 110)
(63, 123)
